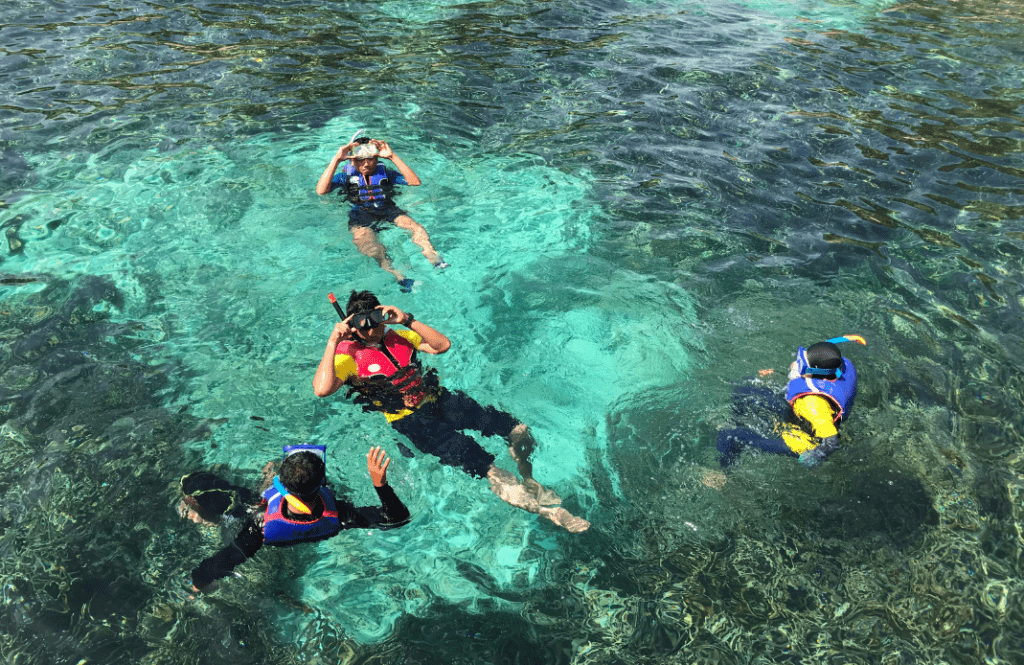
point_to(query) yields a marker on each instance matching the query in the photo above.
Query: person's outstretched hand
(815, 456)
(812, 458)
(377, 462)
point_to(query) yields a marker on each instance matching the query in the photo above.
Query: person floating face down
(296, 507)
(822, 385)
(381, 366)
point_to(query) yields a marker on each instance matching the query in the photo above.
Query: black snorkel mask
(367, 320)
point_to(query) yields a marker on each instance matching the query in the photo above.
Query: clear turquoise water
(643, 203)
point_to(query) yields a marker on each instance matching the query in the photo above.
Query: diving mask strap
(294, 502)
(818, 371)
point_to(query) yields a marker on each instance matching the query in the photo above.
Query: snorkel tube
(337, 307)
(294, 502)
(848, 338)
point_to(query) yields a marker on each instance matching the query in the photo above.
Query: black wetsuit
(212, 497)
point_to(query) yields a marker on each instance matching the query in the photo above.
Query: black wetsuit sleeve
(391, 513)
(224, 562)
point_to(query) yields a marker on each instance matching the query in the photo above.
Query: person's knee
(519, 433)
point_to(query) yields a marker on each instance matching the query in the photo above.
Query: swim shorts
(376, 219)
(434, 429)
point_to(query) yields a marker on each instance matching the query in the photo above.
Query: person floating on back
(295, 507)
(819, 396)
(381, 366)
(370, 188)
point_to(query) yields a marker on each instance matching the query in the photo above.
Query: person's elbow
(442, 346)
(325, 389)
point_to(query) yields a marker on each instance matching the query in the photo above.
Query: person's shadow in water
(869, 508)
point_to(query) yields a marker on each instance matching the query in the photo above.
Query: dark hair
(302, 473)
(824, 355)
(363, 301)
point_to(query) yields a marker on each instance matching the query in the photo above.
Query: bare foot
(545, 496)
(713, 479)
(565, 519)
(188, 513)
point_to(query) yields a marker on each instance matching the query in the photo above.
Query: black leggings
(758, 406)
(212, 496)
(435, 429)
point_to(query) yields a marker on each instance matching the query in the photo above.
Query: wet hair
(824, 355)
(302, 473)
(363, 301)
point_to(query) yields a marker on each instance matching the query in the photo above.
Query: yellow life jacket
(818, 412)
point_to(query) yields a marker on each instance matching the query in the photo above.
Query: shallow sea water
(644, 203)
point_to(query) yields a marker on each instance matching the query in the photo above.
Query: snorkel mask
(368, 320)
(365, 151)
(364, 148)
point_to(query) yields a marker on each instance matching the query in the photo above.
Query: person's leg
(463, 412)
(731, 443)
(428, 432)
(508, 488)
(207, 497)
(365, 240)
(434, 435)
(522, 446)
(419, 236)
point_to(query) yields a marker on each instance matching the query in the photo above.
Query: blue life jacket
(840, 390)
(375, 193)
(279, 529)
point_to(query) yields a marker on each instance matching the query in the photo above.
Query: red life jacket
(390, 377)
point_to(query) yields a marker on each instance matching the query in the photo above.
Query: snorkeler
(296, 506)
(370, 188)
(822, 385)
(380, 365)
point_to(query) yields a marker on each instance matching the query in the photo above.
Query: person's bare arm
(433, 341)
(323, 186)
(386, 152)
(325, 382)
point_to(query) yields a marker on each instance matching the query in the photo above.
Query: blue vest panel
(839, 391)
(280, 530)
(374, 192)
